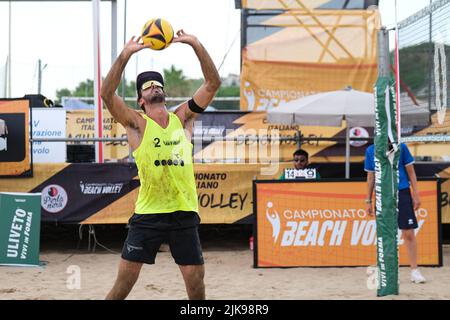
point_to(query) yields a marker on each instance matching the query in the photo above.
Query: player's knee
(200, 273)
(200, 278)
(195, 276)
(196, 286)
(194, 271)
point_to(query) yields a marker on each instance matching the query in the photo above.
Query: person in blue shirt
(407, 202)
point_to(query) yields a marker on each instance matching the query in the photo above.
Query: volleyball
(157, 33)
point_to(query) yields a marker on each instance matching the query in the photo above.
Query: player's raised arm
(205, 94)
(116, 106)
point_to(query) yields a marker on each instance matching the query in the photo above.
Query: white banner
(49, 123)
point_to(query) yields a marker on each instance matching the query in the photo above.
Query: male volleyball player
(407, 204)
(166, 208)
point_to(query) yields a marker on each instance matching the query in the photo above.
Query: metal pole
(383, 53)
(430, 59)
(299, 141)
(97, 82)
(244, 16)
(113, 30)
(9, 53)
(79, 140)
(5, 88)
(397, 77)
(39, 76)
(124, 42)
(347, 151)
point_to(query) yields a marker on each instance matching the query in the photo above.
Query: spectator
(301, 162)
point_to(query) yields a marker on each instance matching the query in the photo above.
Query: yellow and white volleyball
(157, 34)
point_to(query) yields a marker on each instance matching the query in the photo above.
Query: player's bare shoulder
(138, 122)
(135, 129)
(180, 112)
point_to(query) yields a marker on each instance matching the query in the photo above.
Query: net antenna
(440, 80)
(397, 77)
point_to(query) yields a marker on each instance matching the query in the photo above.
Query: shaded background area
(215, 237)
(66, 237)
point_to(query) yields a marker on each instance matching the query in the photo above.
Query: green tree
(84, 89)
(194, 84)
(62, 93)
(232, 91)
(130, 89)
(175, 83)
(415, 63)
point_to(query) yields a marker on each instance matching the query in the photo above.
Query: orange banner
(277, 4)
(324, 224)
(297, 53)
(265, 84)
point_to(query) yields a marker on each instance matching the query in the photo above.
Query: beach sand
(229, 275)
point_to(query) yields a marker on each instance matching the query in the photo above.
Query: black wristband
(194, 107)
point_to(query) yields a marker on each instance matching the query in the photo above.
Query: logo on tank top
(169, 163)
(167, 143)
(172, 142)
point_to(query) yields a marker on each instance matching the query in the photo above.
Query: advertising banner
(80, 191)
(49, 123)
(20, 225)
(324, 224)
(81, 125)
(110, 190)
(14, 137)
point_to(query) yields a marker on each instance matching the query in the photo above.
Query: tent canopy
(331, 108)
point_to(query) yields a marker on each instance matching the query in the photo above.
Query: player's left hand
(184, 37)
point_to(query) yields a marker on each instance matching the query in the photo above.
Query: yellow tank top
(165, 168)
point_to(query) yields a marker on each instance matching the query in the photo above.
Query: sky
(60, 35)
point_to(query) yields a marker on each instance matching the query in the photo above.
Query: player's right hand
(135, 45)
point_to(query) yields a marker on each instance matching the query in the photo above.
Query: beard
(156, 98)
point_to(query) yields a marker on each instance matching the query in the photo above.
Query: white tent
(330, 108)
